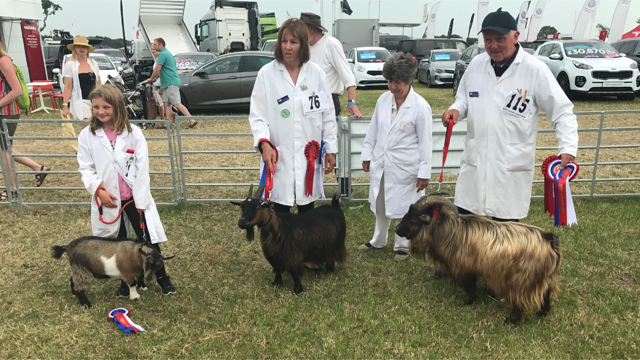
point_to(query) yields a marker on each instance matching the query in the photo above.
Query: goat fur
(519, 262)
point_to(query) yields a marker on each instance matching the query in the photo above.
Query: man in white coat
(500, 94)
(397, 151)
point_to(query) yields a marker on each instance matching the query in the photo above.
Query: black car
(119, 60)
(391, 42)
(463, 63)
(629, 47)
(419, 48)
(51, 59)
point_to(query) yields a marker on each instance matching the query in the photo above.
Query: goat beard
(250, 233)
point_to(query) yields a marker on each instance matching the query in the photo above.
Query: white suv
(590, 67)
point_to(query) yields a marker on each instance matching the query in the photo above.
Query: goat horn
(439, 193)
(259, 192)
(427, 201)
(250, 192)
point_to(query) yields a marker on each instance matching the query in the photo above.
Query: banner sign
(33, 50)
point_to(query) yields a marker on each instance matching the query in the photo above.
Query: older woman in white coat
(293, 122)
(397, 151)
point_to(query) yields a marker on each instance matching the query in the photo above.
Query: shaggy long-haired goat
(104, 258)
(519, 262)
(291, 240)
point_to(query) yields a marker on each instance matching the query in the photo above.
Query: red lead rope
(95, 197)
(447, 139)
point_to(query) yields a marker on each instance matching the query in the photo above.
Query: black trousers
(279, 208)
(336, 103)
(467, 212)
(134, 219)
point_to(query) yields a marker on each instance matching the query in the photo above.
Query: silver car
(438, 68)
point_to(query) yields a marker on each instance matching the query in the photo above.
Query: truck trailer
(229, 26)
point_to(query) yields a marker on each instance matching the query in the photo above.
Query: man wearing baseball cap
(500, 94)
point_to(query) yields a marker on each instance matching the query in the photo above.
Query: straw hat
(80, 40)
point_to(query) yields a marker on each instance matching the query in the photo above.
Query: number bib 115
(518, 105)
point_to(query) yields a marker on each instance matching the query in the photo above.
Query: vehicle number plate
(613, 84)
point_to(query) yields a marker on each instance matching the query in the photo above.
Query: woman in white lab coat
(113, 160)
(397, 151)
(293, 122)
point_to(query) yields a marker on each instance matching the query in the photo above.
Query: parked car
(119, 60)
(463, 63)
(63, 50)
(51, 59)
(529, 50)
(533, 44)
(366, 64)
(590, 67)
(629, 47)
(106, 66)
(420, 48)
(438, 67)
(224, 82)
(192, 60)
(391, 42)
(268, 45)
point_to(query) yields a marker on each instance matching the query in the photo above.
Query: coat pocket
(520, 156)
(470, 153)
(403, 173)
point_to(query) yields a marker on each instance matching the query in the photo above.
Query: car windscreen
(446, 56)
(103, 62)
(371, 56)
(425, 46)
(590, 50)
(191, 62)
(114, 54)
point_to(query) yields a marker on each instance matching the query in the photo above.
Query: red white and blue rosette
(121, 317)
(563, 211)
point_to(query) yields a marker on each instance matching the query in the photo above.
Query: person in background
(10, 90)
(292, 119)
(167, 70)
(81, 75)
(397, 151)
(156, 91)
(327, 52)
(500, 95)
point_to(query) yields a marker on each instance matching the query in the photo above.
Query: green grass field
(371, 307)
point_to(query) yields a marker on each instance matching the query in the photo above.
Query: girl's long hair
(2, 52)
(113, 97)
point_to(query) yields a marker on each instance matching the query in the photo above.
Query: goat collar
(270, 216)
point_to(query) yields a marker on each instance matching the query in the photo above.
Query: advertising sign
(33, 50)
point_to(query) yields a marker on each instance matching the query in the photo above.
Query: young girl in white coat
(114, 162)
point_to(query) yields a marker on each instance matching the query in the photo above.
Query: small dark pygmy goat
(290, 240)
(104, 258)
(519, 262)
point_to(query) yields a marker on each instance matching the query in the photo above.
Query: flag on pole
(535, 20)
(522, 18)
(345, 7)
(618, 21)
(433, 17)
(586, 15)
(425, 13)
(483, 10)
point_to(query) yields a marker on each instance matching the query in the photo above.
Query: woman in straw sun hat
(81, 75)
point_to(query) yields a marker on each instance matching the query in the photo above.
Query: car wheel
(456, 83)
(628, 97)
(419, 77)
(429, 80)
(563, 81)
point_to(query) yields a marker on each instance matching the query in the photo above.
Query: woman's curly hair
(400, 67)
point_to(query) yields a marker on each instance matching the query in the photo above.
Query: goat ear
(425, 218)
(236, 203)
(165, 257)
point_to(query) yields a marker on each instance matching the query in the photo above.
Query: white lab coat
(99, 165)
(291, 134)
(401, 150)
(497, 165)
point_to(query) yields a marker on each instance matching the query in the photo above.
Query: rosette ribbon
(564, 212)
(548, 186)
(121, 317)
(266, 178)
(311, 152)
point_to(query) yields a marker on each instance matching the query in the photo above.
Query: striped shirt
(9, 109)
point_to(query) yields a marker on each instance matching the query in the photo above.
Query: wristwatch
(352, 102)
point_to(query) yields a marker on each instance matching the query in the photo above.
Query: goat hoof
(542, 313)
(136, 297)
(510, 321)
(468, 300)
(276, 283)
(438, 274)
(86, 305)
(298, 290)
(144, 288)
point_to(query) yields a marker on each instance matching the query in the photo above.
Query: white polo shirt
(328, 53)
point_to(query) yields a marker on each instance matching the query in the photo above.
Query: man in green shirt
(167, 71)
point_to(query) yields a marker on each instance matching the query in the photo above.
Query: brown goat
(519, 262)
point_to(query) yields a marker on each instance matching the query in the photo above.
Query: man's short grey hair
(400, 67)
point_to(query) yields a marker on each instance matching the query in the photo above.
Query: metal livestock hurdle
(355, 167)
(18, 202)
(186, 184)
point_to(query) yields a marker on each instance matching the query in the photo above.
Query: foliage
(445, 36)
(48, 8)
(114, 43)
(546, 30)
(601, 27)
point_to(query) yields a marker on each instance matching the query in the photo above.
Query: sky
(102, 17)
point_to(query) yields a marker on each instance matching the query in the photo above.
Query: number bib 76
(314, 102)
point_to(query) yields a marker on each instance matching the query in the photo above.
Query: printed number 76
(314, 100)
(515, 106)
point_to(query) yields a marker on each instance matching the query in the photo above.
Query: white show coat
(100, 164)
(497, 165)
(401, 150)
(71, 71)
(290, 134)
